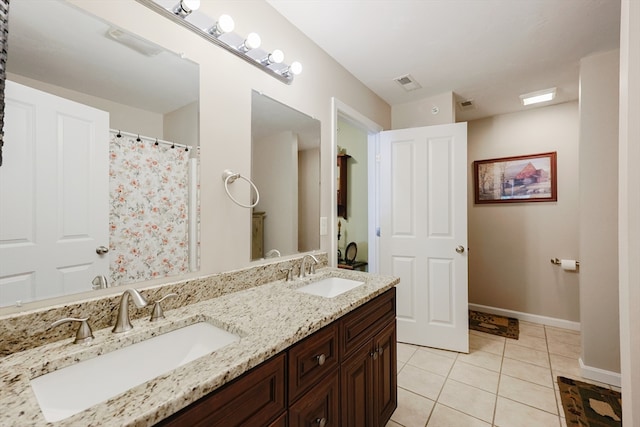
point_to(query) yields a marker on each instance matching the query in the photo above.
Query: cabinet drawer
(363, 323)
(318, 407)
(255, 399)
(311, 360)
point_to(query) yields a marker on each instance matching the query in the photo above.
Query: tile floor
(501, 382)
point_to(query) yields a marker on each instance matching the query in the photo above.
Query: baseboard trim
(600, 375)
(533, 318)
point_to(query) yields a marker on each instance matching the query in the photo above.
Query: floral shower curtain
(149, 193)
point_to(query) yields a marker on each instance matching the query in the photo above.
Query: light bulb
(295, 68)
(224, 24)
(253, 41)
(275, 57)
(185, 7)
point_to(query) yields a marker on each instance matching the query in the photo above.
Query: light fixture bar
(242, 53)
(538, 96)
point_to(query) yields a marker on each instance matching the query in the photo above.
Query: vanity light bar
(220, 32)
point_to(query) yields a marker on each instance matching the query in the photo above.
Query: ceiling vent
(407, 82)
(466, 105)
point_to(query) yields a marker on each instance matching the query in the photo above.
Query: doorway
(359, 227)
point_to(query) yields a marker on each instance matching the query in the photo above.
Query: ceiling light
(133, 42)
(185, 7)
(252, 41)
(538, 96)
(224, 25)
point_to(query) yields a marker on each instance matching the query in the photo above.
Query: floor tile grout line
(495, 403)
(555, 395)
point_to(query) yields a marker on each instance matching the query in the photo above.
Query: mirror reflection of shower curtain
(149, 189)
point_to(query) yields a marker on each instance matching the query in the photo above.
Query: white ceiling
(489, 51)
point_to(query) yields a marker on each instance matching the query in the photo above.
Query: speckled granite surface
(269, 318)
(30, 329)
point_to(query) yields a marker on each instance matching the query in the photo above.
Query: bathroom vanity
(342, 375)
(302, 359)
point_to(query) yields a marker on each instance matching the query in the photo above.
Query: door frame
(342, 110)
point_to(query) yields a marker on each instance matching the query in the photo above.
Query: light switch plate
(323, 225)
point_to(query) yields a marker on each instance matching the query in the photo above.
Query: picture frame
(517, 179)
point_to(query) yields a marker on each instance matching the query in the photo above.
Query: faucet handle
(157, 313)
(288, 274)
(84, 333)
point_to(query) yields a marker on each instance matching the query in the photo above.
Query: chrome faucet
(123, 322)
(303, 266)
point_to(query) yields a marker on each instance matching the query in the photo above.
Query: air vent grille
(407, 82)
(467, 104)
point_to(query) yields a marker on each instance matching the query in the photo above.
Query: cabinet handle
(321, 359)
(322, 422)
(374, 354)
(380, 350)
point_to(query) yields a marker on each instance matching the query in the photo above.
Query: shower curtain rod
(154, 140)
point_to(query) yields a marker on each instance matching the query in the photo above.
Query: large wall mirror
(285, 153)
(100, 175)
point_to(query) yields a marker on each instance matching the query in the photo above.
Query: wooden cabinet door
(280, 422)
(385, 378)
(319, 407)
(356, 379)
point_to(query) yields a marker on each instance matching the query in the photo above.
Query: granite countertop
(268, 318)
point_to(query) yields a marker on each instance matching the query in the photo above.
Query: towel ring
(229, 177)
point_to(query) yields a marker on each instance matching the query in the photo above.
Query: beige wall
(421, 113)
(598, 156)
(278, 155)
(354, 228)
(308, 200)
(225, 106)
(510, 245)
(182, 125)
(630, 210)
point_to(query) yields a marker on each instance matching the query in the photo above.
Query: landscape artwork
(530, 178)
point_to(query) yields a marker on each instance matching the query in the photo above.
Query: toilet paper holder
(556, 261)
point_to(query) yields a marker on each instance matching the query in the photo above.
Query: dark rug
(589, 405)
(493, 324)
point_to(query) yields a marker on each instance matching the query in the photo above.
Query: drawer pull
(374, 354)
(321, 359)
(380, 350)
(321, 422)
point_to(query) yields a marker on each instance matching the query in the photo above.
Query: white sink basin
(73, 389)
(330, 287)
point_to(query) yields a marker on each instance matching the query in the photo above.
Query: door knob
(101, 250)
(460, 249)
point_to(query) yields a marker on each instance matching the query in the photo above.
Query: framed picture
(516, 179)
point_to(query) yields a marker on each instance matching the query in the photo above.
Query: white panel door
(54, 196)
(423, 232)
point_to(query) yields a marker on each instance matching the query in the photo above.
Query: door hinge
(378, 231)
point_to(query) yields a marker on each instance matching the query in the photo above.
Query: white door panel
(423, 219)
(54, 185)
